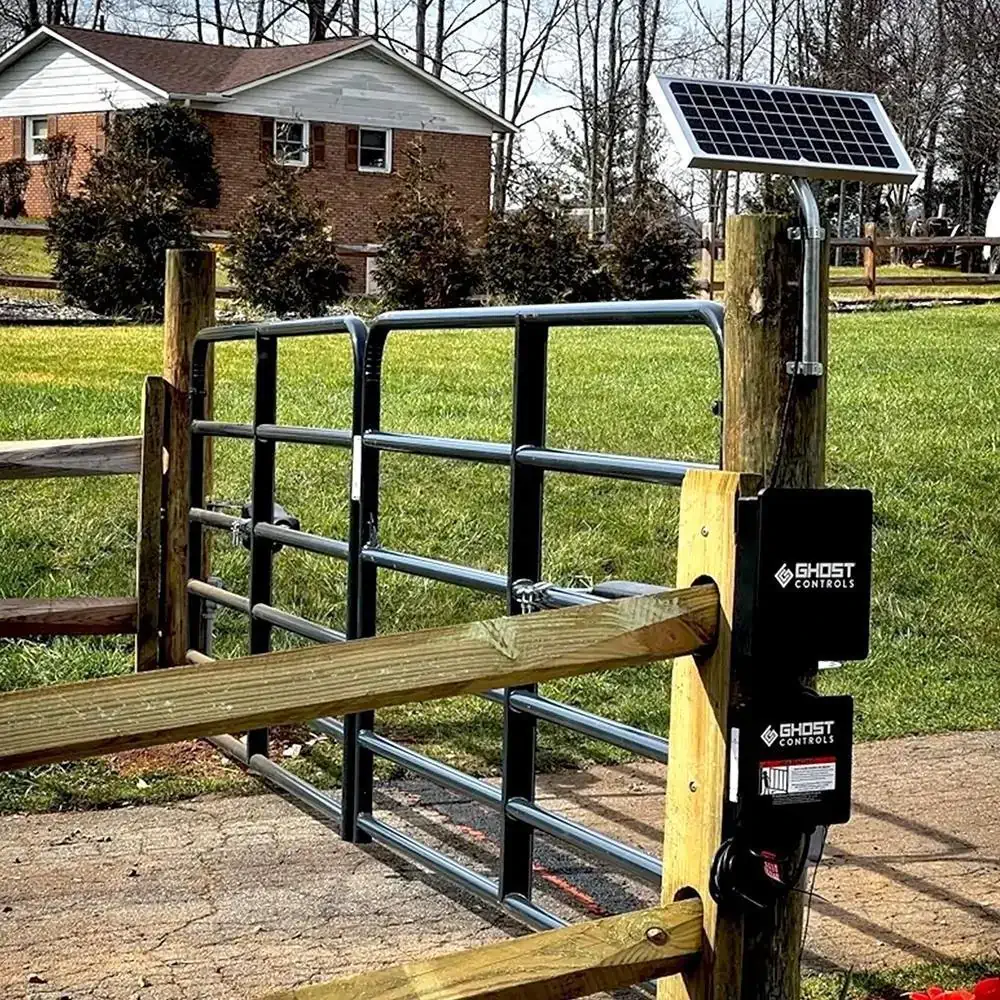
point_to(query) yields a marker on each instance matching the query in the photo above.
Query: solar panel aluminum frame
(676, 122)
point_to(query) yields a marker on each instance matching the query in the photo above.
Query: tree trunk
(420, 41)
(220, 29)
(439, 41)
(500, 145)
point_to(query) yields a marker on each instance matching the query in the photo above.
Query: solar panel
(723, 125)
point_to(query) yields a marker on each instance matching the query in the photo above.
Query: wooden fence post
(189, 305)
(700, 693)
(149, 534)
(763, 323)
(871, 256)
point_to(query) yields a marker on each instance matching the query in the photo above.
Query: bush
(425, 261)
(60, 155)
(110, 254)
(175, 147)
(282, 257)
(136, 202)
(652, 256)
(538, 254)
(14, 176)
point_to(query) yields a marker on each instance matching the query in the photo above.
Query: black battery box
(790, 763)
(803, 575)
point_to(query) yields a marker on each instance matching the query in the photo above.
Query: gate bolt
(657, 935)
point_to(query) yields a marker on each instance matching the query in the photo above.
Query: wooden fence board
(65, 721)
(574, 961)
(113, 456)
(67, 616)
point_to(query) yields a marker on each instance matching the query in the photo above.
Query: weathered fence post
(871, 257)
(781, 437)
(189, 305)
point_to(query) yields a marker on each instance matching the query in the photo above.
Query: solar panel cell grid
(746, 121)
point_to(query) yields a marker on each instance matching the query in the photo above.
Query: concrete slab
(225, 898)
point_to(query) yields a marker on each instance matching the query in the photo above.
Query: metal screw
(693, 785)
(657, 935)
(704, 531)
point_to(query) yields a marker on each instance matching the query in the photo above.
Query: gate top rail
(348, 323)
(695, 312)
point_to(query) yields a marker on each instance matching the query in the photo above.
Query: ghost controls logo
(817, 576)
(799, 734)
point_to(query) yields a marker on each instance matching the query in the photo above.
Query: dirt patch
(226, 898)
(195, 758)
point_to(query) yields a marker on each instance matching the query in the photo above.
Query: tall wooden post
(775, 426)
(189, 306)
(871, 257)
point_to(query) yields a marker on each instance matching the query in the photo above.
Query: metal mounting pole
(813, 234)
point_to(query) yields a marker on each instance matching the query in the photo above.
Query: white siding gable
(54, 79)
(359, 89)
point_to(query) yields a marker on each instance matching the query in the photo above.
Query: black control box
(804, 574)
(790, 763)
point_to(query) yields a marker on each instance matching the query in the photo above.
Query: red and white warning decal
(798, 777)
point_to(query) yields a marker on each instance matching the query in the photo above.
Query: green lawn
(953, 976)
(914, 416)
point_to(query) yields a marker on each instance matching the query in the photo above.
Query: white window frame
(29, 138)
(387, 169)
(304, 162)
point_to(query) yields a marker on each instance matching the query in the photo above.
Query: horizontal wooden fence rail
(713, 250)
(589, 957)
(66, 721)
(44, 616)
(113, 456)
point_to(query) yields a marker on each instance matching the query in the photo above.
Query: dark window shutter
(317, 144)
(53, 126)
(17, 152)
(103, 120)
(266, 140)
(351, 160)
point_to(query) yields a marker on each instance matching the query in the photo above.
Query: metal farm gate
(528, 459)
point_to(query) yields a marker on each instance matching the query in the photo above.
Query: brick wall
(354, 201)
(87, 129)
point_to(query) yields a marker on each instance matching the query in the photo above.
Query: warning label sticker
(798, 777)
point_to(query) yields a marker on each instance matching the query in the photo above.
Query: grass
(894, 292)
(911, 417)
(953, 975)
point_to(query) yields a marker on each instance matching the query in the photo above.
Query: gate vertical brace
(524, 562)
(774, 424)
(196, 620)
(262, 509)
(359, 763)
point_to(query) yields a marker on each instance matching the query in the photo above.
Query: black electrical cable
(812, 886)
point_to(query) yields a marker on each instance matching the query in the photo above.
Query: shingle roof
(196, 67)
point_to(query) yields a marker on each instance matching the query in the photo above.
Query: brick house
(341, 112)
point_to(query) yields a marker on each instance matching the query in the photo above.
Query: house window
(375, 150)
(36, 132)
(291, 143)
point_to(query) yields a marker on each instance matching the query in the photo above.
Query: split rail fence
(713, 252)
(338, 684)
